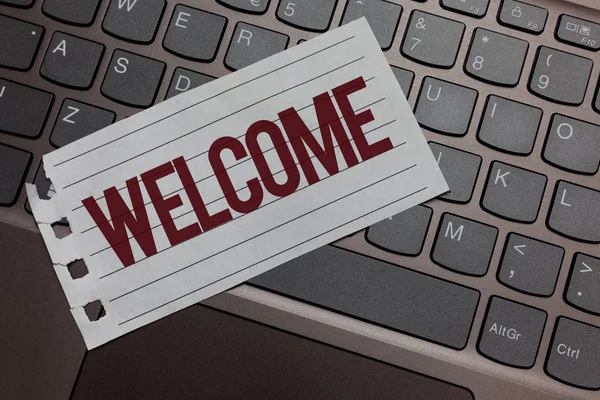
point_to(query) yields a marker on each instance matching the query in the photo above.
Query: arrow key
(583, 289)
(530, 265)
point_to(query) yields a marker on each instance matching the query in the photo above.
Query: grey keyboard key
(390, 295)
(133, 20)
(523, 16)
(513, 193)
(13, 168)
(559, 76)
(597, 102)
(251, 43)
(20, 41)
(194, 33)
(475, 8)
(184, 80)
(583, 289)
(578, 32)
(573, 145)
(71, 61)
(574, 356)
(530, 265)
(444, 107)
(250, 6)
(77, 12)
(76, 120)
(464, 245)
(403, 233)
(383, 17)
(575, 212)
(132, 79)
(460, 170)
(511, 333)
(432, 40)
(18, 3)
(509, 126)
(312, 15)
(496, 58)
(405, 79)
(24, 109)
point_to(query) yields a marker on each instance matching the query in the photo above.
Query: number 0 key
(559, 76)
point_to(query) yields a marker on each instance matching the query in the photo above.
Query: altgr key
(512, 332)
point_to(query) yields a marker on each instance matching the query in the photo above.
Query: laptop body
(517, 253)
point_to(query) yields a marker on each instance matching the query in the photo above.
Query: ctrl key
(574, 357)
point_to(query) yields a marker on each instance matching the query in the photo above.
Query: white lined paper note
(275, 197)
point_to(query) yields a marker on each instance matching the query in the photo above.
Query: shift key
(574, 356)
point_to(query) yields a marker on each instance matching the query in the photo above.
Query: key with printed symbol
(403, 233)
(583, 287)
(194, 34)
(509, 126)
(475, 8)
(574, 355)
(463, 245)
(383, 17)
(559, 76)
(71, 61)
(24, 109)
(184, 80)
(405, 79)
(460, 170)
(445, 107)
(132, 79)
(578, 32)
(14, 164)
(530, 265)
(523, 16)
(575, 212)
(249, 6)
(432, 40)
(496, 58)
(573, 145)
(513, 193)
(133, 20)
(76, 120)
(251, 43)
(20, 42)
(76, 12)
(312, 15)
(511, 333)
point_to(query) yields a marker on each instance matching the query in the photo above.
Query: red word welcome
(298, 141)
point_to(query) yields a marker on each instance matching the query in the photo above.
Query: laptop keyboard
(507, 93)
